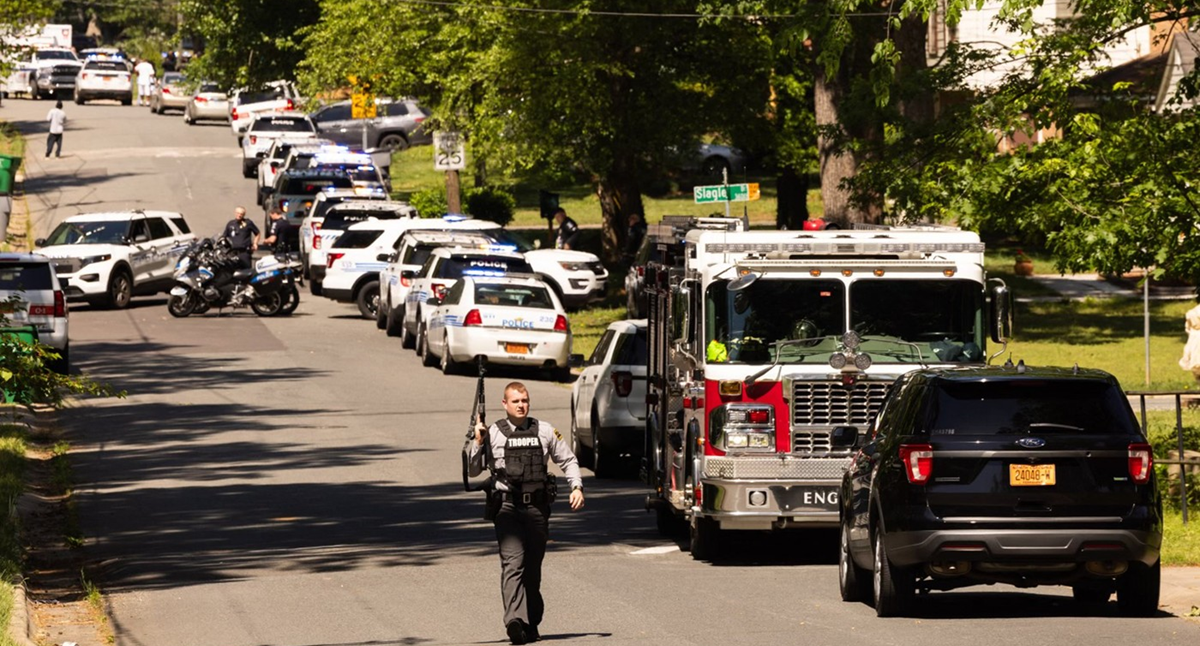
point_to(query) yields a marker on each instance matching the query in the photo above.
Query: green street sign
(722, 193)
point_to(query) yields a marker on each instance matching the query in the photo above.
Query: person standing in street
(58, 122)
(568, 231)
(242, 235)
(145, 80)
(518, 448)
(278, 231)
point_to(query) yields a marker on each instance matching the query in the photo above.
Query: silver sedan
(169, 93)
(209, 103)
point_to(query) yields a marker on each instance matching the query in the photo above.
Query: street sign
(449, 151)
(723, 193)
(362, 105)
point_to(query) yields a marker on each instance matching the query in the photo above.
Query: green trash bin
(8, 172)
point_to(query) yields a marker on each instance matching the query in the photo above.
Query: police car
(30, 294)
(336, 220)
(441, 271)
(515, 321)
(264, 129)
(578, 277)
(414, 249)
(269, 165)
(108, 258)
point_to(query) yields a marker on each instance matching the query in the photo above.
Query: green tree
(248, 42)
(16, 16)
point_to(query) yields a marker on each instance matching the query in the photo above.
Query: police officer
(278, 231)
(242, 235)
(568, 231)
(520, 446)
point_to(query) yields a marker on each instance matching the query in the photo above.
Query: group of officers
(245, 238)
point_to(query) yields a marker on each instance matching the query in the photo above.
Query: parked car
(169, 93)
(1030, 476)
(310, 226)
(577, 277)
(295, 191)
(108, 258)
(276, 96)
(265, 128)
(271, 161)
(102, 78)
(30, 294)
(296, 158)
(396, 126)
(515, 321)
(45, 72)
(209, 103)
(608, 400)
(338, 219)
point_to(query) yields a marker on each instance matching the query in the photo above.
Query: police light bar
(845, 247)
(455, 217)
(512, 248)
(489, 273)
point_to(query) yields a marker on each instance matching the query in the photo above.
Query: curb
(21, 626)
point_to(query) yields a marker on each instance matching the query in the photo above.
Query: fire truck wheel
(705, 539)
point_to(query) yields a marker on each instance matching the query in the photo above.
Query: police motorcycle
(209, 274)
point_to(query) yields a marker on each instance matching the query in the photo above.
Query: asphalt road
(295, 481)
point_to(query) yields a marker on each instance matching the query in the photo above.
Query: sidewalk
(1076, 287)
(1180, 592)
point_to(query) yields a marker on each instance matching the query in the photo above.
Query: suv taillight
(60, 304)
(290, 105)
(234, 114)
(918, 462)
(473, 318)
(253, 139)
(1141, 463)
(332, 258)
(407, 282)
(623, 382)
(316, 240)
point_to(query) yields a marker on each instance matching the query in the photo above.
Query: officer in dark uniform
(279, 232)
(242, 235)
(568, 231)
(519, 448)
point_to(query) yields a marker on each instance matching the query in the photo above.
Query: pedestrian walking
(568, 231)
(517, 450)
(242, 235)
(58, 122)
(145, 80)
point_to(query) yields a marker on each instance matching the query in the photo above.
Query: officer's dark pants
(244, 258)
(521, 531)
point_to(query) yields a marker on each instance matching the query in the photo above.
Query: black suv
(1025, 476)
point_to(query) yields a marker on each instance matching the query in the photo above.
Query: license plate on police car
(1031, 475)
(516, 348)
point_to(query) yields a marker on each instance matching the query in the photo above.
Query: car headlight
(43, 74)
(742, 427)
(93, 259)
(574, 266)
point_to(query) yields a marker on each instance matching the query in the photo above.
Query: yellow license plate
(516, 348)
(1031, 475)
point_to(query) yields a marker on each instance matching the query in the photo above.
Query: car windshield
(172, 78)
(456, 267)
(512, 295)
(359, 239)
(1021, 406)
(27, 276)
(500, 236)
(742, 326)
(277, 124)
(211, 87)
(55, 55)
(940, 319)
(314, 185)
(269, 94)
(92, 232)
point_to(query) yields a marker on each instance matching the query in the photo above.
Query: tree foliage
(249, 42)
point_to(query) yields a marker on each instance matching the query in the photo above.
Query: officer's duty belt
(536, 497)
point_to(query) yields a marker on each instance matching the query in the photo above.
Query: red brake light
(332, 258)
(560, 324)
(235, 114)
(60, 304)
(918, 462)
(623, 382)
(1141, 462)
(166, 90)
(200, 99)
(473, 318)
(641, 270)
(418, 119)
(317, 241)
(758, 416)
(253, 139)
(290, 105)
(439, 290)
(407, 282)
(84, 76)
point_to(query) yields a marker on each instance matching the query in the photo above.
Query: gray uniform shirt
(553, 447)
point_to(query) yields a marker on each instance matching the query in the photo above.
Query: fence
(1182, 461)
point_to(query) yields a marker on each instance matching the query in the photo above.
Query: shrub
(487, 203)
(430, 203)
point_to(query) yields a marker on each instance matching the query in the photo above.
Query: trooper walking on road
(58, 122)
(520, 447)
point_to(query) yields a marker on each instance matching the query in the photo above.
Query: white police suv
(511, 320)
(335, 221)
(30, 294)
(578, 277)
(108, 258)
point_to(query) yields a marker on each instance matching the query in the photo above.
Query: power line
(455, 4)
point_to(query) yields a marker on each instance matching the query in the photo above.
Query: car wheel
(448, 365)
(249, 171)
(240, 138)
(601, 464)
(393, 142)
(314, 287)
(427, 359)
(1090, 596)
(120, 289)
(393, 326)
(893, 586)
(667, 522)
(582, 454)
(78, 99)
(187, 118)
(705, 539)
(368, 300)
(381, 315)
(407, 340)
(128, 101)
(851, 579)
(1138, 590)
(181, 306)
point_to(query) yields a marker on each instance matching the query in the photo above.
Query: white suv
(578, 277)
(30, 294)
(608, 400)
(107, 258)
(265, 129)
(336, 220)
(276, 96)
(104, 79)
(354, 259)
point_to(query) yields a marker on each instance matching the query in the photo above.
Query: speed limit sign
(449, 152)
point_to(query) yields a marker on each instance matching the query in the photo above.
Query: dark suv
(1025, 476)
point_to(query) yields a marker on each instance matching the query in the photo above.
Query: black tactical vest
(524, 460)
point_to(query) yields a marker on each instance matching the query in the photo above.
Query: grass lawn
(12, 465)
(11, 141)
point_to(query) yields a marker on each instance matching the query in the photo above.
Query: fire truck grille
(822, 403)
(746, 468)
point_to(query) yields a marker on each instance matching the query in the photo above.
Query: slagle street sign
(723, 193)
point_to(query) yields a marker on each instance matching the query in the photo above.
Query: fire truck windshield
(899, 320)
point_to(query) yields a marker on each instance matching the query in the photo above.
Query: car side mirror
(575, 361)
(40, 242)
(141, 237)
(275, 163)
(844, 436)
(408, 273)
(384, 257)
(433, 301)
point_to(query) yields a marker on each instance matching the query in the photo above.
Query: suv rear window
(456, 266)
(343, 218)
(360, 239)
(28, 276)
(512, 295)
(107, 66)
(1043, 406)
(314, 185)
(182, 225)
(417, 255)
(269, 94)
(281, 124)
(631, 350)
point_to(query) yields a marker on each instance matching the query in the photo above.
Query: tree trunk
(836, 164)
(791, 208)
(911, 41)
(620, 196)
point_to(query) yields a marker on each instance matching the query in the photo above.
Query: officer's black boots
(516, 632)
(531, 634)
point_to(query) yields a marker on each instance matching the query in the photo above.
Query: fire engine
(771, 352)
